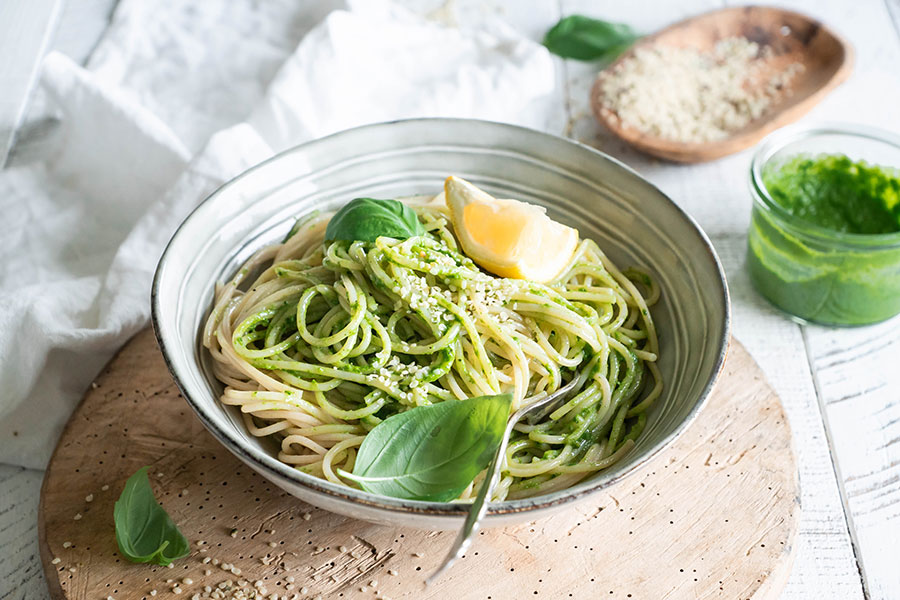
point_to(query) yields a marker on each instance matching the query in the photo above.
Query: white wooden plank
(859, 383)
(26, 27)
(856, 370)
(824, 567)
(716, 195)
(80, 26)
(21, 575)
(824, 564)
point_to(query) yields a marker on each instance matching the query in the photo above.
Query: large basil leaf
(431, 452)
(367, 219)
(144, 531)
(584, 38)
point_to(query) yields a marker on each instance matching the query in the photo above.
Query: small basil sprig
(431, 452)
(144, 530)
(584, 38)
(367, 219)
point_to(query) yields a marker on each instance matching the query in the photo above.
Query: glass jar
(816, 274)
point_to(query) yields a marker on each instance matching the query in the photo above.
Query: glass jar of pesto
(824, 238)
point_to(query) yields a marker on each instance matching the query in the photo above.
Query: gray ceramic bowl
(634, 223)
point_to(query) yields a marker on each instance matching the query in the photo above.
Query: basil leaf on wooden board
(367, 219)
(431, 452)
(584, 38)
(144, 530)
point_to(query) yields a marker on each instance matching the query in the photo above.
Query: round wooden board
(713, 516)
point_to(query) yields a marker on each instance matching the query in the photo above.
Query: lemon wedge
(509, 238)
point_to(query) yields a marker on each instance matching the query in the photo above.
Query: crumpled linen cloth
(178, 97)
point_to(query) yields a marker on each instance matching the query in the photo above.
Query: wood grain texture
(790, 37)
(858, 382)
(825, 565)
(19, 563)
(713, 516)
(715, 194)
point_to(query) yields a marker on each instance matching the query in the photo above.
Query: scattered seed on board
(89, 498)
(55, 561)
(77, 516)
(104, 488)
(187, 581)
(152, 592)
(392, 572)
(307, 516)
(418, 554)
(67, 544)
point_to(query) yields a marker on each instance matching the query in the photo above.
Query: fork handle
(477, 510)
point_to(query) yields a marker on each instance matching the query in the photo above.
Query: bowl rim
(276, 470)
(785, 137)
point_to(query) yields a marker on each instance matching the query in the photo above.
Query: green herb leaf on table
(584, 38)
(144, 530)
(367, 219)
(431, 452)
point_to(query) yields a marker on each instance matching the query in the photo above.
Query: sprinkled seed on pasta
(331, 338)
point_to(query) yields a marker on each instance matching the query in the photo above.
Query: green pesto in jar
(836, 193)
(812, 274)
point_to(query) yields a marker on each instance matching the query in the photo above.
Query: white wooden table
(841, 388)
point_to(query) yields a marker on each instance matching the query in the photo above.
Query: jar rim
(783, 137)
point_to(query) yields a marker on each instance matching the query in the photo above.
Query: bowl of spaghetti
(313, 354)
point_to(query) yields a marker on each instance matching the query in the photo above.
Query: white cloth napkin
(178, 97)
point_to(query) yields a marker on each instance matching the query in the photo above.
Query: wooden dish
(712, 516)
(793, 38)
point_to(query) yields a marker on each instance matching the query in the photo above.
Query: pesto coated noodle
(332, 338)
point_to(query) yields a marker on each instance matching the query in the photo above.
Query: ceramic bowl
(631, 220)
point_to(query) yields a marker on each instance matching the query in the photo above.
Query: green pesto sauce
(818, 280)
(836, 193)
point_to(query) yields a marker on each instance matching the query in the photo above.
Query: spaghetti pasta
(317, 342)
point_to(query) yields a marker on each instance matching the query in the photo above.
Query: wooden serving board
(713, 516)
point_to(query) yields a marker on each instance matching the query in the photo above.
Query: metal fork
(532, 413)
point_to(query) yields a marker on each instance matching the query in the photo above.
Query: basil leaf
(144, 531)
(584, 38)
(367, 219)
(431, 452)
